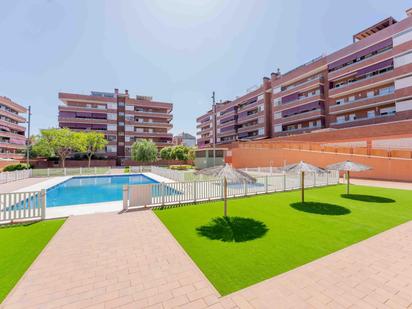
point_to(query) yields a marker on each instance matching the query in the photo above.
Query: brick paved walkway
(131, 261)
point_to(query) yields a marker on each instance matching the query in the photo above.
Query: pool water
(94, 189)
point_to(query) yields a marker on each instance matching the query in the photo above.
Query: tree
(166, 153)
(57, 142)
(180, 153)
(144, 151)
(90, 143)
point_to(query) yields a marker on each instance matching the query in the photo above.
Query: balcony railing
(302, 116)
(362, 119)
(287, 88)
(335, 106)
(349, 83)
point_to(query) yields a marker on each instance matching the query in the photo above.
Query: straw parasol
(302, 168)
(229, 175)
(348, 166)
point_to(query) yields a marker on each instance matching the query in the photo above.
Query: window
(386, 90)
(370, 94)
(111, 116)
(121, 134)
(340, 101)
(388, 111)
(340, 119)
(371, 114)
(121, 123)
(351, 98)
(121, 113)
(352, 117)
(121, 104)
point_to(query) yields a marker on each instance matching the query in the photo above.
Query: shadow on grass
(233, 229)
(321, 208)
(368, 198)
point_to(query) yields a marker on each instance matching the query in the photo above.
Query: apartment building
(12, 133)
(365, 83)
(123, 119)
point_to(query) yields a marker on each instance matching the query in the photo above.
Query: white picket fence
(194, 191)
(72, 171)
(181, 176)
(6, 177)
(17, 206)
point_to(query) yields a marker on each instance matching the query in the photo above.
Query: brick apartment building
(12, 133)
(367, 82)
(123, 119)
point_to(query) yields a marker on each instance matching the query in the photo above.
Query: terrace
(265, 218)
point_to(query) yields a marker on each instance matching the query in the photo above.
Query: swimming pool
(92, 189)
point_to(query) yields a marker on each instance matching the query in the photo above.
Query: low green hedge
(180, 167)
(16, 167)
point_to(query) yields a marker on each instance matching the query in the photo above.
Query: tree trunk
(62, 162)
(89, 159)
(347, 182)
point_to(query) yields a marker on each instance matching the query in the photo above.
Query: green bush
(127, 169)
(180, 167)
(16, 167)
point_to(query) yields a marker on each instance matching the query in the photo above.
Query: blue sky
(174, 50)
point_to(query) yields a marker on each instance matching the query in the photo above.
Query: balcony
(360, 64)
(362, 103)
(85, 108)
(15, 117)
(83, 120)
(146, 114)
(300, 87)
(11, 135)
(149, 134)
(147, 124)
(298, 130)
(370, 81)
(362, 121)
(12, 126)
(310, 115)
(8, 145)
(253, 127)
(298, 102)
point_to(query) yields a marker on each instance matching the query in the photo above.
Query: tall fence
(194, 191)
(6, 177)
(22, 206)
(50, 172)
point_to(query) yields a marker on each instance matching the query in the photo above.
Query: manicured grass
(19, 246)
(270, 234)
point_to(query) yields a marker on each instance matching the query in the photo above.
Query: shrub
(180, 167)
(16, 167)
(127, 169)
(166, 153)
(144, 151)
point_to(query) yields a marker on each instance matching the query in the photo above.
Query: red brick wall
(395, 169)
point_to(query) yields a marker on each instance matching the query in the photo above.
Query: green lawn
(269, 234)
(19, 246)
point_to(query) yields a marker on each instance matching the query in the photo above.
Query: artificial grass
(290, 234)
(19, 246)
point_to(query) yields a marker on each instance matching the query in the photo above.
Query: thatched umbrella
(302, 168)
(348, 166)
(229, 175)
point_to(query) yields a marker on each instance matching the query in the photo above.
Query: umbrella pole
(225, 196)
(347, 182)
(302, 184)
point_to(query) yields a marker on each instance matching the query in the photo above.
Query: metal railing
(161, 194)
(22, 206)
(49, 172)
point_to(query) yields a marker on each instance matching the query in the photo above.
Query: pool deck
(130, 260)
(37, 184)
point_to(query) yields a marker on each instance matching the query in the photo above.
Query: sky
(177, 51)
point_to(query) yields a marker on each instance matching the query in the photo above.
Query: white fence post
(266, 184)
(327, 178)
(81, 171)
(43, 203)
(314, 179)
(95, 170)
(245, 187)
(163, 192)
(284, 181)
(194, 190)
(48, 172)
(125, 197)
(65, 172)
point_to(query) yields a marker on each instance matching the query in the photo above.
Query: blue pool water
(94, 189)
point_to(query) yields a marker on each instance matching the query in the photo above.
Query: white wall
(403, 37)
(403, 106)
(403, 60)
(403, 82)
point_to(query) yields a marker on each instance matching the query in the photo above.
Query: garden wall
(383, 168)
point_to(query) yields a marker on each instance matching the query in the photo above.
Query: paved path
(132, 261)
(382, 183)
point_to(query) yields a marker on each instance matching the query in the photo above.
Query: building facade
(123, 119)
(367, 82)
(184, 139)
(12, 133)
